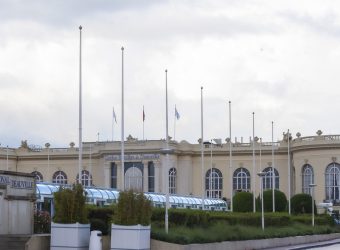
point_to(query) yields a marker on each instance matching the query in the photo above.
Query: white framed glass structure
(134, 177)
(241, 180)
(59, 177)
(307, 178)
(213, 183)
(38, 176)
(332, 178)
(86, 178)
(268, 178)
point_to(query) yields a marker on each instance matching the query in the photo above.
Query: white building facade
(313, 160)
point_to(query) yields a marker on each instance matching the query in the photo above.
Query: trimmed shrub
(301, 204)
(243, 202)
(324, 219)
(132, 209)
(280, 201)
(69, 205)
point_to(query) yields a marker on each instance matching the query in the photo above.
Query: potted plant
(69, 228)
(131, 222)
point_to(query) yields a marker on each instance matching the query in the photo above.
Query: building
(313, 159)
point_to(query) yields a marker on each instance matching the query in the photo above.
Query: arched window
(134, 178)
(268, 178)
(172, 180)
(241, 180)
(213, 183)
(86, 178)
(60, 177)
(307, 178)
(38, 176)
(332, 182)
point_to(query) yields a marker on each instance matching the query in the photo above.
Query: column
(158, 177)
(107, 174)
(145, 177)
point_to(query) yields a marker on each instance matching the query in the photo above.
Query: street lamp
(261, 175)
(312, 185)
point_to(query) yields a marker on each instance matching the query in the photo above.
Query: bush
(42, 222)
(243, 202)
(301, 204)
(280, 201)
(323, 219)
(69, 205)
(132, 209)
(100, 218)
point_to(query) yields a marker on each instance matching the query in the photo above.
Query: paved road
(324, 245)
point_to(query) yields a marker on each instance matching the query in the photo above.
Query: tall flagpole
(90, 177)
(80, 113)
(175, 124)
(202, 150)
(260, 170)
(7, 158)
(289, 179)
(167, 155)
(230, 161)
(273, 169)
(122, 134)
(254, 186)
(143, 121)
(211, 167)
(113, 120)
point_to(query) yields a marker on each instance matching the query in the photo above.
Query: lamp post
(261, 175)
(312, 185)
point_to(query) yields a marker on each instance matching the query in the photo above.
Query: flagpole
(80, 112)
(230, 161)
(254, 186)
(113, 120)
(90, 177)
(175, 124)
(202, 152)
(143, 122)
(273, 170)
(289, 179)
(260, 170)
(167, 155)
(122, 129)
(7, 158)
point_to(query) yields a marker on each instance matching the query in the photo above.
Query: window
(213, 183)
(241, 180)
(172, 180)
(86, 178)
(60, 177)
(151, 177)
(38, 176)
(134, 176)
(113, 175)
(307, 178)
(268, 178)
(332, 182)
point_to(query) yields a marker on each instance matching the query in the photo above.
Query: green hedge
(323, 219)
(243, 202)
(182, 217)
(280, 201)
(301, 204)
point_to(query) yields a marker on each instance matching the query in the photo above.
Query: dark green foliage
(301, 204)
(306, 219)
(100, 218)
(42, 222)
(69, 205)
(184, 217)
(132, 209)
(280, 201)
(243, 202)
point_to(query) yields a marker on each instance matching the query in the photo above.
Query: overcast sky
(279, 59)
